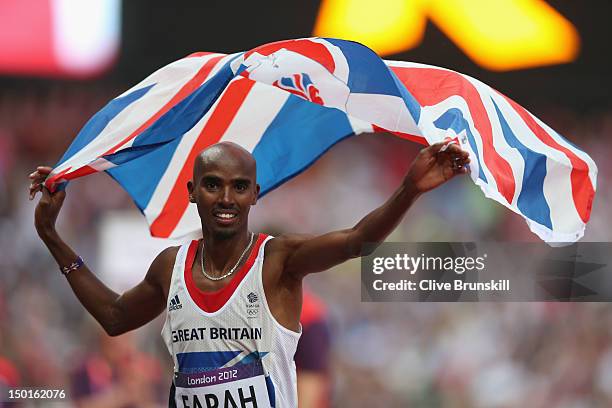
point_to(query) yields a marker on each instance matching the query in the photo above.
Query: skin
(224, 181)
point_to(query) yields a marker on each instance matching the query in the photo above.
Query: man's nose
(227, 198)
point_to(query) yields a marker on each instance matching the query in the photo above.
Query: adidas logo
(175, 304)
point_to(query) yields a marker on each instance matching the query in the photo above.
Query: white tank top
(227, 348)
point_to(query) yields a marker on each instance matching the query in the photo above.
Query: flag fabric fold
(289, 102)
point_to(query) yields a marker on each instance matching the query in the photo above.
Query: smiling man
(233, 299)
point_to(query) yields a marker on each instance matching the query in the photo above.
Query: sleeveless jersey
(227, 348)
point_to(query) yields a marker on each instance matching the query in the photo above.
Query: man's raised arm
(433, 166)
(116, 313)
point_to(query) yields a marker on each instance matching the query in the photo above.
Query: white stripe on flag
(558, 193)
(168, 83)
(387, 111)
(177, 73)
(189, 226)
(501, 146)
(557, 183)
(258, 110)
(341, 69)
(585, 157)
(222, 63)
(359, 126)
(431, 113)
(405, 64)
(168, 179)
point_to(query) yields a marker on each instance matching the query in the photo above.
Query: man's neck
(222, 253)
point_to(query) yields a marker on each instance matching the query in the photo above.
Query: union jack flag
(148, 137)
(300, 85)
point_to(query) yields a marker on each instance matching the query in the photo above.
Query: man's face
(224, 191)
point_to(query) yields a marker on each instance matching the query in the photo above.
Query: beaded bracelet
(73, 266)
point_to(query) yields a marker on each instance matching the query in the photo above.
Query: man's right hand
(49, 205)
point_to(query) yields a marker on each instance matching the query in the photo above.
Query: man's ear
(190, 190)
(257, 189)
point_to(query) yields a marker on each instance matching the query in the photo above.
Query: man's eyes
(213, 185)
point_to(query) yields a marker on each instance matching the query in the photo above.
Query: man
(233, 298)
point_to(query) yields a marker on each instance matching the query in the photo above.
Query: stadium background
(455, 355)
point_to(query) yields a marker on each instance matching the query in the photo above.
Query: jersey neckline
(211, 302)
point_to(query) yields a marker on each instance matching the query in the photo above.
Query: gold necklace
(218, 278)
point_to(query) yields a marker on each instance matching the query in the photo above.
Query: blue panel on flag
(367, 72)
(184, 115)
(139, 176)
(453, 119)
(98, 122)
(531, 200)
(298, 135)
(142, 165)
(411, 103)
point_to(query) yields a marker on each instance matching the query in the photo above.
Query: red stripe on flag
(407, 136)
(187, 89)
(223, 115)
(310, 49)
(200, 54)
(51, 182)
(298, 82)
(431, 86)
(582, 188)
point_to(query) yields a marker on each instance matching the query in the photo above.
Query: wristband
(72, 267)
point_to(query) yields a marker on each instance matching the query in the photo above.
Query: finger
(34, 188)
(461, 160)
(37, 175)
(436, 147)
(35, 183)
(43, 169)
(460, 168)
(458, 159)
(456, 150)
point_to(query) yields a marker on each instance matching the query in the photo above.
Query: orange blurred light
(499, 35)
(504, 35)
(386, 26)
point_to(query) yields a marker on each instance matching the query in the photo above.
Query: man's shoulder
(285, 243)
(161, 268)
(169, 254)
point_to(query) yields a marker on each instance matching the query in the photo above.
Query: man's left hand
(435, 165)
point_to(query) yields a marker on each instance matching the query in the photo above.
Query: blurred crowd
(391, 354)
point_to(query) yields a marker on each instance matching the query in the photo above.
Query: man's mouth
(225, 217)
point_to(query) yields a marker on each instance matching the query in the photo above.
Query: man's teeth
(227, 216)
